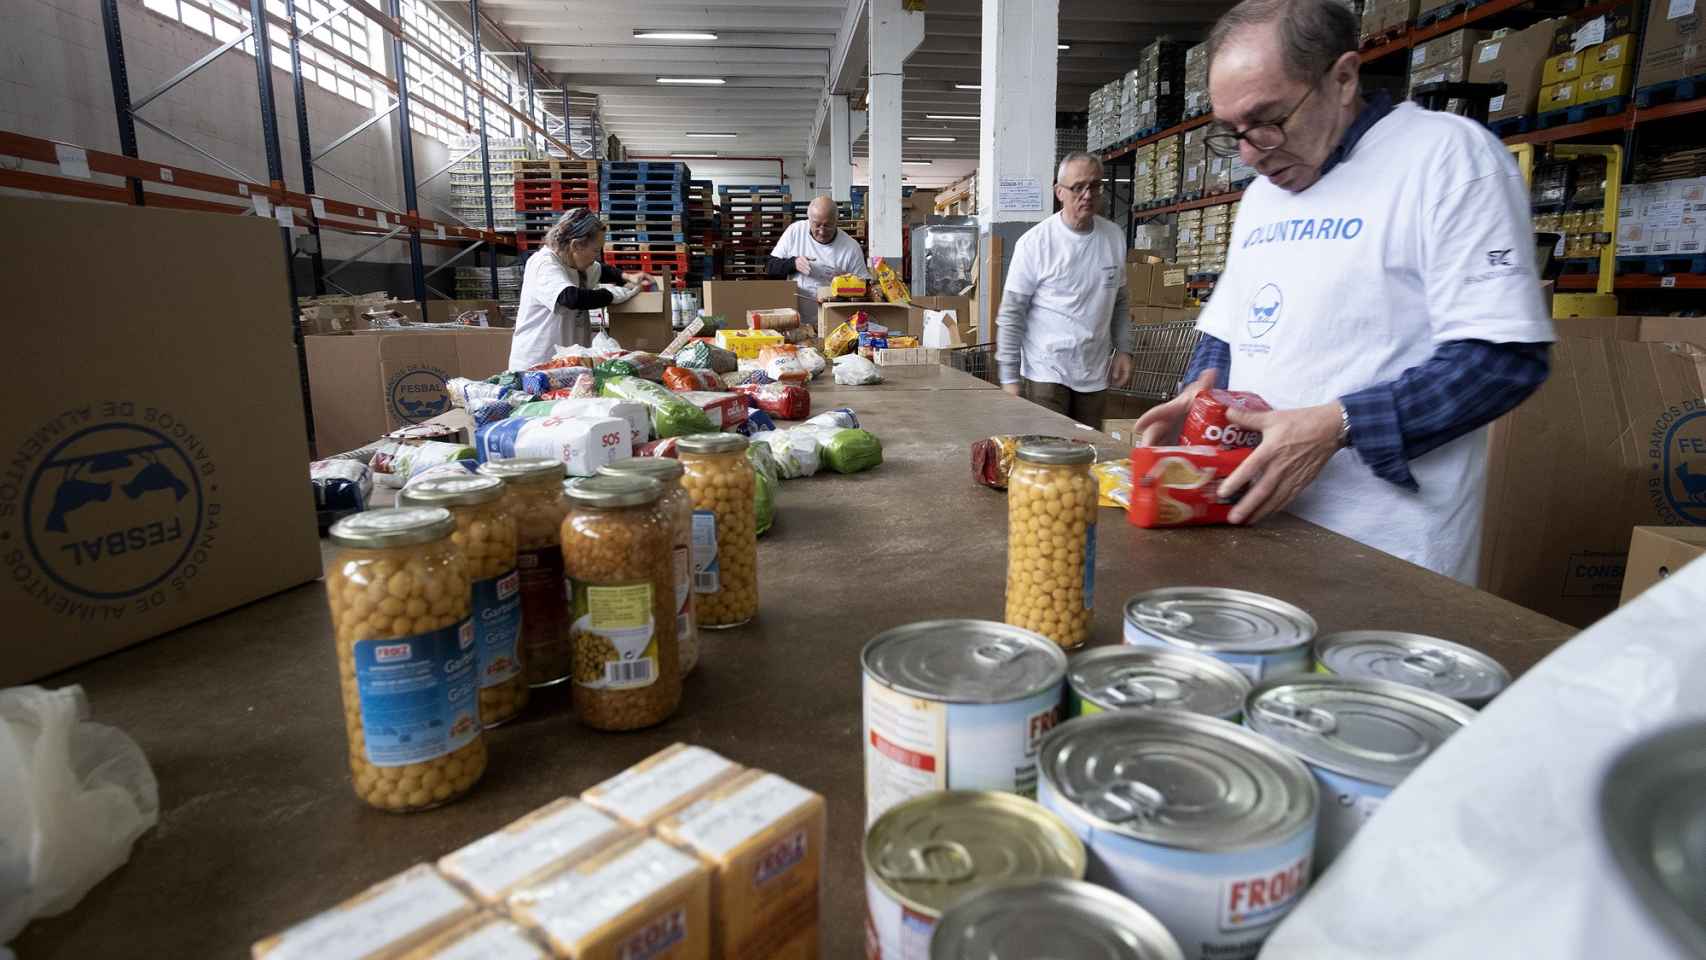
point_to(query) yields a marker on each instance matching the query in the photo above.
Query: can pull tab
(1001, 650)
(1428, 663)
(1160, 617)
(939, 861)
(1142, 691)
(1308, 719)
(1125, 800)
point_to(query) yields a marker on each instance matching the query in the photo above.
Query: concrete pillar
(1016, 132)
(894, 33)
(840, 172)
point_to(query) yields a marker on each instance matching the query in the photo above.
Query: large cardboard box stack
(1143, 174)
(1615, 438)
(1157, 86)
(1193, 165)
(156, 462)
(1190, 240)
(1673, 48)
(1591, 61)
(1380, 17)
(1197, 102)
(1167, 167)
(1217, 174)
(1514, 58)
(1216, 232)
(1445, 58)
(1662, 219)
(1155, 289)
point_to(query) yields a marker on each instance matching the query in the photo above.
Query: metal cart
(1163, 352)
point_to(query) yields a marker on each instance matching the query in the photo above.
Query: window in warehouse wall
(329, 56)
(447, 39)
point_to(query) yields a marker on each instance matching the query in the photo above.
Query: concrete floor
(240, 716)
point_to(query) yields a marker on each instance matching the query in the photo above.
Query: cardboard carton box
(1516, 60)
(733, 298)
(1615, 439)
(1150, 283)
(965, 321)
(1557, 95)
(897, 317)
(1453, 46)
(1657, 552)
(643, 323)
(375, 381)
(1603, 84)
(446, 311)
(1564, 66)
(156, 462)
(1673, 48)
(1615, 52)
(1451, 72)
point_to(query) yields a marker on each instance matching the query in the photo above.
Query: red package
(1180, 486)
(563, 394)
(726, 410)
(1206, 424)
(557, 363)
(683, 379)
(789, 401)
(657, 448)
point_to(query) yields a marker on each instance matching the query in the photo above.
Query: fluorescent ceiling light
(1063, 46)
(968, 86)
(714, 81)
(917, 163)
(931, 139)
(674, 35)
(693, 155)
(949, 116)
(713, 136)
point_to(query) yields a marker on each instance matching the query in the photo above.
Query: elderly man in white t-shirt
(815, 251)
(1064, 331)
(1379, 293)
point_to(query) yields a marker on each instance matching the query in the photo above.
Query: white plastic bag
(74, 795)
(812, 360)
(605, 343)
(797, 453)
(853, 370)
(939, 329)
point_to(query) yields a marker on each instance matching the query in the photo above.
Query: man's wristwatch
(1344, 426)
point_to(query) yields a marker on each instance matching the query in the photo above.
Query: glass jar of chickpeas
(725, 528)
(1051, 541)
(679, 505)
(618, 552)
(533, 494)
(485, 530)
(399, 592)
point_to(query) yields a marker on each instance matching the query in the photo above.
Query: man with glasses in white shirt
(1064, 332)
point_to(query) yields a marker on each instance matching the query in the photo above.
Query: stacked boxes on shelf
(1104, 116)
(1167, 168)
(475, 283)
(1665, 219)
(1143, 176)
(545, 190)
(1196, 82)
(704, 232)
(753, 220)
(1158, 86)
(1672, 57)
(1383, 18)
(469, 189)
(1444, 59)
(1131, 104)
(1579, 230)
(1514, 58)
(1203, 234)
(1193, 163)
(645, 203)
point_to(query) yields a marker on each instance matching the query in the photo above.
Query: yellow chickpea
(1050, 545)
(725, 561)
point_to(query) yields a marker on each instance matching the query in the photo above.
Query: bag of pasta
(843, 339)
(894, 289)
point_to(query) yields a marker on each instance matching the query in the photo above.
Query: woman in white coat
(561, 282)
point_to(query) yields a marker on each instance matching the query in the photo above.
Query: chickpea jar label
(497, 627)
(615, 644)
(418, 694)
(706, 576)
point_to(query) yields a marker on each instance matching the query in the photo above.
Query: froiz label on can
(1261, 899)
(1037, 726)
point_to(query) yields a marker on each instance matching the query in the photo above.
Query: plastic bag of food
(638, 418)
(77, 796)
(763, 461)
(992, 458)
(790, 401)
(854, 371)
(491, 411)
(647, 366)
(604, 343)
(894, 289)
(725, 410)
(657, 448)
(394, 462)
(340, 487)
(703, 355)
(783, 366)
(752, 378)
(616, 368)
(851, 451)
(1113, 483)
(779, 318)
(841, 418)
(544, 381)
(812, 360)
(796, 454)
(455, 468)
(842, 339)
(564, 360)
(683, 379)
(582, 444)
(757, 422)
(466, 393)
(672, 416)
(763, 500)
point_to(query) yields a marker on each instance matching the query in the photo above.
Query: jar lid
(662, 469)
(617, 491)
(394, 527)
(452, 492)
(711, 443)
(524, 469)
(1057, 452)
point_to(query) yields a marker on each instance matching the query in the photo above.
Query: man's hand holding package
(1160, 426)
(1296, 445)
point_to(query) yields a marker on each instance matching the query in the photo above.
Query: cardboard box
(965, 321)
(909, 356)
(1516, 60)
(1657, 552)
(1450, 47)
(1615, 52)
(644, 322)
(1556, 96)
(1672, 49)
(156, 461)
(1614, 439)
(1155, 284)
(446, 311)
(1564, 66)
(1578, 36)
(333, 318)
(375, 381)
(897, 317)
(733, 298)
(1603, 84)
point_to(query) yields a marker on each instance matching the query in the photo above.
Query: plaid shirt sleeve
(1464, 385)
(1212, 353)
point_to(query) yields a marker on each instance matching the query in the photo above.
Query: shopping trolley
(1158, 362)
(979, 361)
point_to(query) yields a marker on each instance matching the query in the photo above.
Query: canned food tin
(1051, 918)
(1443, 667)
(1206, 825)
(1360, 738)
(956, 705)
(1152, 678)
(930, 852)
(1260, 636)
(1653, 821)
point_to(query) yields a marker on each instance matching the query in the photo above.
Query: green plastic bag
(850, 451)
(671, 415)
(615, 368)
(764, 501)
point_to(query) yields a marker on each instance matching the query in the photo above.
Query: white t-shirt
(839, 256)
(540, 324)
(1072, 279)
(1421, 236)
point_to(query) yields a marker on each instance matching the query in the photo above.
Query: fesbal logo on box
(107, 510)
(418, 393)
(1676, 462)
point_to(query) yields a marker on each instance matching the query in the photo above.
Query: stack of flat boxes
(1193, 163)
(1104, 115)
(1514, 58)
(1131, 108)
(1143, 175)
(1196, 82)
(1167, 168)
(1158, 85)
(1215, 231)
(1381, 17)
(1188, 240)
(1662, 219)
(1445, 59)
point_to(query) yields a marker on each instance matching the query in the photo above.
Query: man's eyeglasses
(1089, 189)
(1222, 140)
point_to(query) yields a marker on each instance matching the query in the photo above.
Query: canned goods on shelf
(1259, 635)
(956, 704)
(1202, 823)
(1153, 678)
(927, 854)
(1443, 667)
(1360, 738)
(1652, 819)
(1051, 918)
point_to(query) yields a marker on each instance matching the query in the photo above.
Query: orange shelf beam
(1214, 200)
(1174, 130)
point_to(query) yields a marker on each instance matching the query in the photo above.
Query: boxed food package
(1514, 58)
(763, 839)
(384, 920)
(661, 784)
(1557, 96)
(483, 937)
(1193, 161)
(1167, 156)
(1452, 72)
(541, 843)
(582, 443)
(1453, 47)
(1614, 52)
(1180, 486)
(637, 898)
(1672, 48)
(1603, 84)
(745, 344)
(154, 457)
(1564, 66)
